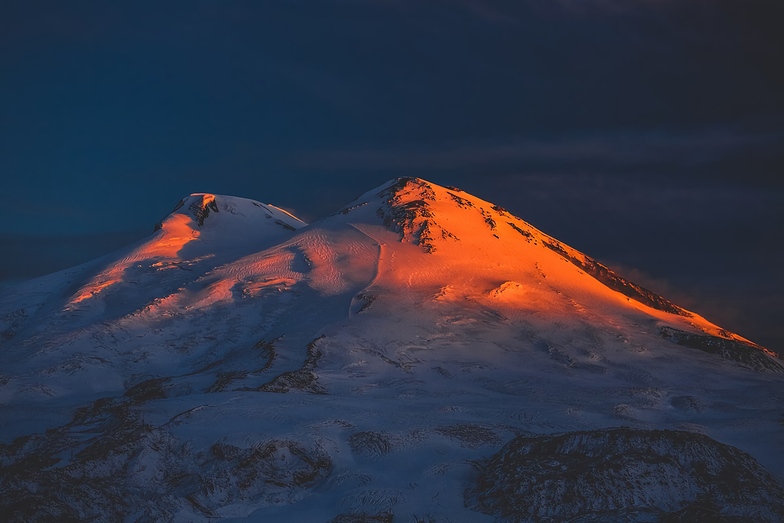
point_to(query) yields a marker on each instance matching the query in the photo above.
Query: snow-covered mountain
(240, 365)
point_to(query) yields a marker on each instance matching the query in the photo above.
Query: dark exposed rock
(500, 210)
(526, 234)
(488, 219)
(60, 476)
(304, 378)
(370, 443)
(349, 208)
(616, 282)
(263, 349)
(148, 390)
(470, 435)
(746, 353)
(201, 211)
(461, 202)
(361, 517)
(285, 225)
(264, 473)
(109, 464)
(413, 219)
(366, 300)
(625, 475)
(11, 324)
(198, 209)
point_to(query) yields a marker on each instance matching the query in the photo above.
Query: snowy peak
(369, 367)
(419, 210)
(407, 241)
(431, 216)
(203, 231)
(474, 249)
(438, 218)
(205, 224)
(200, 206)
(409, 210)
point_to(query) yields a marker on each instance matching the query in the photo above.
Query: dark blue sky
(649, 134)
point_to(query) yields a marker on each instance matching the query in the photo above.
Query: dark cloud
(674, 152)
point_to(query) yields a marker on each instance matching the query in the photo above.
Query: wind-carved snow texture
(625, 475)
(241, 365)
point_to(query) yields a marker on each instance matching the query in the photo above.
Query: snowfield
(396, 361)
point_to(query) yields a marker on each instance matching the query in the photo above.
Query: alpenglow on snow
(420, 355)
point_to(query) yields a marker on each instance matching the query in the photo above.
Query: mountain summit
(480, 245)
(396, 360)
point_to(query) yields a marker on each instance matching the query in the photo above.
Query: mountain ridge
(472, 251)
(416, 222)
(370, 364)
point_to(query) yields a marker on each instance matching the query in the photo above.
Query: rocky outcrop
(625, 475)
(747, 354)
(407, 211)
(614, 281)
(108, 464)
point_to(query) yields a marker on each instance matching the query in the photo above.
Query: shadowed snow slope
(362, 364)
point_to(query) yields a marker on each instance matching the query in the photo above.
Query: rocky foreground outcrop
(625, 475)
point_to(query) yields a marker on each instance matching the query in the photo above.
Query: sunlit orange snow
(233, 226)
(176, 231)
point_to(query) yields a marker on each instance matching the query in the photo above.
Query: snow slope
(381, 354)
(58, 325)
